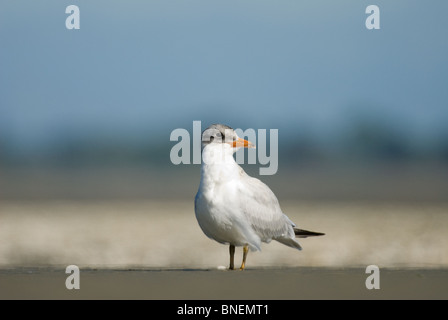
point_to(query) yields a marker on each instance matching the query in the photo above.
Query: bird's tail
(300, 233)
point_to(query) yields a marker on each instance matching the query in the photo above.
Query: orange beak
(242, 143)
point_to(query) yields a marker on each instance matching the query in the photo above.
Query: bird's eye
(212, 138)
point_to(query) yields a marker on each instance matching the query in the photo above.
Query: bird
(234, 208)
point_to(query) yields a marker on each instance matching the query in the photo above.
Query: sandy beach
(205, 284)
(155, 250)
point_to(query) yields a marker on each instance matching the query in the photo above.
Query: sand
(155, 250)
(165, 234)
(204, 284)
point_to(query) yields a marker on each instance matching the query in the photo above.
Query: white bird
(233, 208)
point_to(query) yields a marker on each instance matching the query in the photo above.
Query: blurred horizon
(359, 110)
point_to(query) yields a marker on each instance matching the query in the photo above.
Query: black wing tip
(307, 233)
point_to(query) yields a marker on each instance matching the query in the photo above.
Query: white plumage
(233, 208)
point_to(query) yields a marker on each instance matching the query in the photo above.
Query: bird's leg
(232, 254)
(245, 252)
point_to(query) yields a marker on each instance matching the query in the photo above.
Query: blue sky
(136, 70)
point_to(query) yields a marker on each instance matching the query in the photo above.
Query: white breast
(216, 206)
(233, 208)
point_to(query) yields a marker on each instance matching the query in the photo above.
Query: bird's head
(225, 136)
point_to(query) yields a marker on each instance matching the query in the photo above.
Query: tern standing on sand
(234, 208)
